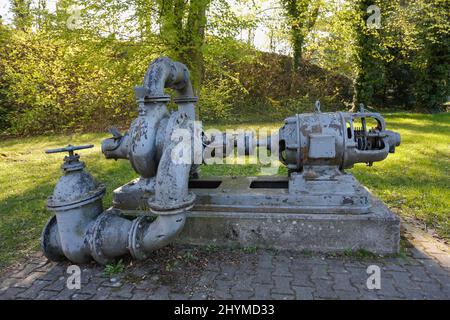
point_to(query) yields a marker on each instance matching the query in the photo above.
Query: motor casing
(334, 139)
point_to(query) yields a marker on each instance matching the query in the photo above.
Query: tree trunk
(302, 16)
(194, 37)
(182, 26)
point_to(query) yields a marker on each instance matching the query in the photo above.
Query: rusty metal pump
(150, 211)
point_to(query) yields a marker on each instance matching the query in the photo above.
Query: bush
(49, 84)
(52, 85)
(215, 101)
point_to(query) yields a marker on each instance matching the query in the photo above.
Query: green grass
(250, 249)
(413, 182)
(114, 268)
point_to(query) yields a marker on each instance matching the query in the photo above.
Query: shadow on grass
(420, 128)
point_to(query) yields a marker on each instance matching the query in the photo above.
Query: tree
(433, 63)
(405, 61)
(182, 26)
(369, 77)
(22, 14)
(301, 15)
(333, 46)
(144, 10)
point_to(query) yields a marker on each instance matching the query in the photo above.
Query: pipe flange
(96, 240)
(185, 99)
(72, 166)
(49, 252)
(87, 198)
(151, 99)
(143, 94)
(136, 236)
(160, 208)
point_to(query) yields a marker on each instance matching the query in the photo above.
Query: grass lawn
(414, 181)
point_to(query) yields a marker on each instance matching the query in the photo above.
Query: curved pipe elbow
(50, 241)
(172, 179)
(172, 198)
(165, 73)
(162, 231)
(186, 90)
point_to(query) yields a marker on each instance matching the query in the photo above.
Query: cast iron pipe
(80, 230)
(139, 143)
(113, 236)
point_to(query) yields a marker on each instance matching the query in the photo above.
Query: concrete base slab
(229, 212)
(377, 231)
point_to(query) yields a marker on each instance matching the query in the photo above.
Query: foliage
(211, 248)
(251, 250)
(22, 14)
(406, 61)
(49, 85)
(182, 28)
(370, 53)
(216, 104)
(333, 48)
(433, 85)
(302, 15)
(58, 78)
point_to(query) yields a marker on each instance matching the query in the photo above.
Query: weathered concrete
(233, 214)
(377, 231)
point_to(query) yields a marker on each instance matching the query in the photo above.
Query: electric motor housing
(334, 139)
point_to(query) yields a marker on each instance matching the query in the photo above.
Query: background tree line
(66, 69)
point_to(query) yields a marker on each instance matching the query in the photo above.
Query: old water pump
(317, 206)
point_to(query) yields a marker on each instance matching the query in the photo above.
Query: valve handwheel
(71, 162)
(70, 149)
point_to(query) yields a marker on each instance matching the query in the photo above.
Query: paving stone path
(421, 272)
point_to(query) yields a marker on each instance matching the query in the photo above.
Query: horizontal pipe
(116, 148)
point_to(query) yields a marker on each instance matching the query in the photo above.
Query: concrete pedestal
(230, 212)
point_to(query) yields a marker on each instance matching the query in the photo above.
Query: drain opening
(204, 184)
(260, 184)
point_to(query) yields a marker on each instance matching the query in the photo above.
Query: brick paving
(175, 272)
